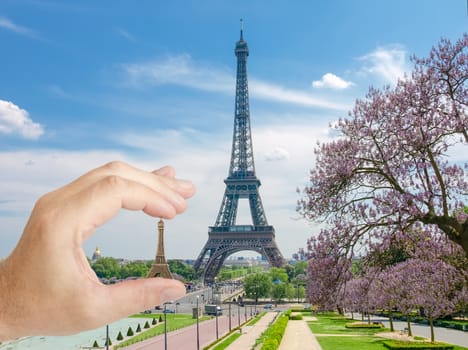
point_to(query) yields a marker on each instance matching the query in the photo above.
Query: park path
(298, 336)
(251, 333)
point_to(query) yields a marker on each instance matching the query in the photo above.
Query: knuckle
(115, 166)
(113, 181)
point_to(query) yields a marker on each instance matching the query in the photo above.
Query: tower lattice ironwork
(225, 237)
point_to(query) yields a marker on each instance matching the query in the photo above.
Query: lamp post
(107, 337)
(238, 313)
(217, 332)
(198, 327)
(230, 315)
(165, 323)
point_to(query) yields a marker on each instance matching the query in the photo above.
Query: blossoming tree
(389, 166)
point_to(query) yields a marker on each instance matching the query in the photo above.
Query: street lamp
(217, 332)
(107, 337)
(165, 323)
(238, 313)
(230, 315)
(198, 326)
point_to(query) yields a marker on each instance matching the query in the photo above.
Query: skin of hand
(46, 284)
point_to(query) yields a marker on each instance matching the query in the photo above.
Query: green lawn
(174, 321)
(351, 339)
(327, 324)
(343, 343)
(228, 341)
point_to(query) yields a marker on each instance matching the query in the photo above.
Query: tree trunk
(352, 315)
(431, 323)
(408, 322)
(368, 317)
(390, 319)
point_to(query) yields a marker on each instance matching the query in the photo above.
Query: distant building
(96, 255)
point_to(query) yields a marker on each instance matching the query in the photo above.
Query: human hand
(47, 286)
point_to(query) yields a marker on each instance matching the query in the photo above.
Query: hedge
(405, 345)
(274, 334)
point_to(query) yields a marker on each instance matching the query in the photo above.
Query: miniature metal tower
(225, 237)
(160, 267)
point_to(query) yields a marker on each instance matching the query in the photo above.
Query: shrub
(363, 325)
(154, 321)
(130, 332)
(119, 336)
(160, 318)
(147, 324)
(295, 316)
(110, 342)
(138, 330)
(95, 344)
(274, 334)
(406, 345)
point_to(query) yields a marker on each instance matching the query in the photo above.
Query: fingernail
(186, 186)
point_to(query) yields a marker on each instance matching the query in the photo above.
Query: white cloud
(199, 156)
(279, 93)
(330, 80)
(16, 120)
(179, 70)
(5, 23)
(389, 63)
(125, 34)
(182, 70)
(278, 153)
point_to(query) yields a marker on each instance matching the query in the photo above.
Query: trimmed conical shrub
(119, 336)
(154, 321)
(110, 342)
(138, 330)
(95, 344)
(130, 332)
(160, 318)
(146, 325)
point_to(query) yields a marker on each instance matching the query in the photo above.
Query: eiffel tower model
(225, 237)
(160, 267)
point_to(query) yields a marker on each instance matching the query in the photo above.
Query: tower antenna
(242, 28)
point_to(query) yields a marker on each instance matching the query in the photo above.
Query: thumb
(130, 297)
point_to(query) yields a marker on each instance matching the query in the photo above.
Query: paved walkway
(298, 336)
(250, 334)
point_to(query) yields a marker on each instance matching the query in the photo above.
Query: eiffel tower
(225, 237)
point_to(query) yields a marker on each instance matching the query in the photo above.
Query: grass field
(347, 338)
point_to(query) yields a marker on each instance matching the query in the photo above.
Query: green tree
(278, 291)
(257, 285)
(290, 292)
(134, 269)
(278, 274)
(179, 267)
(106, 267)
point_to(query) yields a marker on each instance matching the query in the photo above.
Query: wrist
(6, 303)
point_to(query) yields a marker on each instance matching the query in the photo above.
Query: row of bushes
(402, 345)
(461, 326)
(130, 333)
(364, 325)
(274, 334)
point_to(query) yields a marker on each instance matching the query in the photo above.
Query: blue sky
(152, 83)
